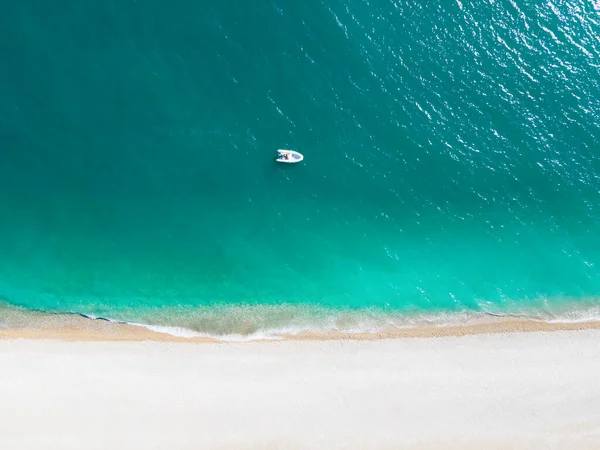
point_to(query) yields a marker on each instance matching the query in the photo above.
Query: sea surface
(452, 161)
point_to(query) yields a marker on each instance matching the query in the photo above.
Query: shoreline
(75, 327)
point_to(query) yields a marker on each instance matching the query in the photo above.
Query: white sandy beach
(515, 390)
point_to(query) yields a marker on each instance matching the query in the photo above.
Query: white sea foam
(266, 334)
(173, 331)
(576, 316)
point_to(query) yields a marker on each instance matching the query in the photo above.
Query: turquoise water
(451, 159)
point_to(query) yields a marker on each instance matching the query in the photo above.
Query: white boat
(289, 156)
